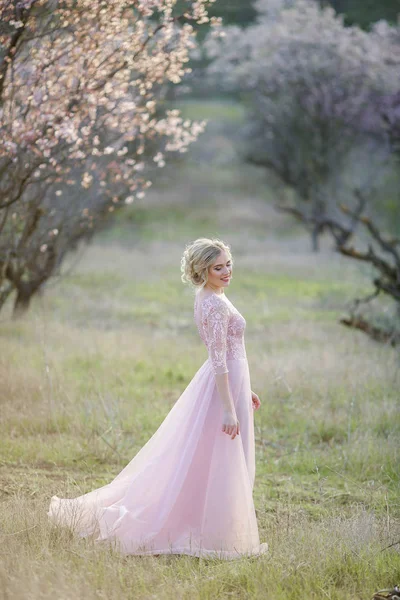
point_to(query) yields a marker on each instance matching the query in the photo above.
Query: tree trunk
(318, 212)
(315, 238)
(25, 292)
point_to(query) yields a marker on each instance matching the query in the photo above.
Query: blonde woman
(189, 490)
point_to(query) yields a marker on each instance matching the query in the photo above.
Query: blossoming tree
(315, 88)
(81, 120)
(309, 83)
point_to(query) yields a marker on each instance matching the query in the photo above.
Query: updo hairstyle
(198, 257)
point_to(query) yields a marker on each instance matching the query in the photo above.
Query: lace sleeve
(217, 329)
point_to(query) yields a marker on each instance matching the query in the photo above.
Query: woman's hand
(230, 424)
(256, 402)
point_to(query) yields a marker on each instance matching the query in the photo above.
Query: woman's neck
(216, 290)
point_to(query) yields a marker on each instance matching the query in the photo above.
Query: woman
(189, 489)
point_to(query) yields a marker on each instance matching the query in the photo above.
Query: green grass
(327, 483)
(212, 110)
(103, 355)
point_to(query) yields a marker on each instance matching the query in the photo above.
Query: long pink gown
(189, 490)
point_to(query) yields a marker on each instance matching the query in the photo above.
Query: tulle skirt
(189, 489)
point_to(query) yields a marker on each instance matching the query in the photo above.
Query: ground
(89, 374)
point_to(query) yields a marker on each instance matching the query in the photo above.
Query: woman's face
(219, 273)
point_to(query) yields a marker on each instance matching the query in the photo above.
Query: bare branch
(376, 333)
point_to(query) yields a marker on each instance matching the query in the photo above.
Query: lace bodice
(221, 327)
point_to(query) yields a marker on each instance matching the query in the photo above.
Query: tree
(382, 252)
(81, 120)
(309, 83)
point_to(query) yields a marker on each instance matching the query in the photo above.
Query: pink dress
(189, 490)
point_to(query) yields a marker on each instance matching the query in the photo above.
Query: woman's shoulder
(212, 301)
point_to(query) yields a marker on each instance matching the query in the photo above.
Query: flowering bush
(80, 122)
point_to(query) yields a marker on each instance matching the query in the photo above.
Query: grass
(211, 110)
(104, 354)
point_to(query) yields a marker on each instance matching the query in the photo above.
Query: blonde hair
(198, 257)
